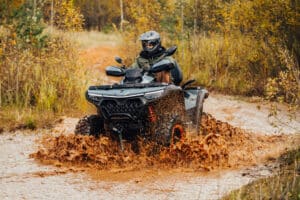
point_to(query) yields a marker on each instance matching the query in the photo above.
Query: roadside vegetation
(41, 76)
(235, 47)
(285, 184)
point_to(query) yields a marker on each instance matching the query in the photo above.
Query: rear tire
(90, 125)
(177, 132)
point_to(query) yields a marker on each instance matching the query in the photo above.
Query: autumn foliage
(233, 46)
(39, 71)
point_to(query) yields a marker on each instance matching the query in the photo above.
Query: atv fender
(201, 96)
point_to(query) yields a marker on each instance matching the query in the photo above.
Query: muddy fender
(202, 95)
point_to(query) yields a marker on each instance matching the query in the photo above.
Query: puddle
(81, 167)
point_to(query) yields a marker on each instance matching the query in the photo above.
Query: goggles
(149, 43)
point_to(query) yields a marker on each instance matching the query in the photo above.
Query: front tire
(90, 125)
(170, 131)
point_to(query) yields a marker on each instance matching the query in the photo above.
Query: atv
(140, 108)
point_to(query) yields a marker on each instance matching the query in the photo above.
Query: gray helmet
(150, 41)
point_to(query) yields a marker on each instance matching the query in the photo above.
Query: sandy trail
(21, 177)
(252, 116)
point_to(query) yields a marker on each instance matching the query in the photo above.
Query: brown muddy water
(57, 164)
(220, 146)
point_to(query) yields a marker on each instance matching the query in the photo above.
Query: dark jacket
(145, 61)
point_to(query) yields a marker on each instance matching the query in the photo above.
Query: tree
(63, 14)
(99, 14)
(7, 7)
(275, 21)
(121, 15)
(143, 15)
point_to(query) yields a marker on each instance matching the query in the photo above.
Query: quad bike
(140, 107)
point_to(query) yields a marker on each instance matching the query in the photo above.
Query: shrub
(50, 78)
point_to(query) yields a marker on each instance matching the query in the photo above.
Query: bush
(233, 63)
(284, 184)
(50, 78)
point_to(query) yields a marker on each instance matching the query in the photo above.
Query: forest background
(240, 47)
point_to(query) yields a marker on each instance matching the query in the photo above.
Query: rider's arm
(135, 65)
(141, 63)
(176, 73)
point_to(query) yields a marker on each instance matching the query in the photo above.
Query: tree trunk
(122, 15)
(182, 27)
(195, 16)
(34, 8)
(52, 15)
(182, 17)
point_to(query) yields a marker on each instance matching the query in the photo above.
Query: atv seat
(176, 74)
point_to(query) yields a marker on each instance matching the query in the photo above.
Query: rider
(154, 52)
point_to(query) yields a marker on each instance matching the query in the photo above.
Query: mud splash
(220, 146)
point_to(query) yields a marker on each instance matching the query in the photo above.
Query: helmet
(150, 41)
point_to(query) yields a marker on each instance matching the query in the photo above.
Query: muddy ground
(240, 145)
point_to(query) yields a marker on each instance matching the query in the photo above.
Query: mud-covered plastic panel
(191, 94)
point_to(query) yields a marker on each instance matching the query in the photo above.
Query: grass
(88, 39)
(285, 184)
(235, 63)
(37, 86)
(12, 118)
(55, 79)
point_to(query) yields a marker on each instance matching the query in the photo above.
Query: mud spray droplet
(220, 145)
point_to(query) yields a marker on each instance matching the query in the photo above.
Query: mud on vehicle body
(139, 107)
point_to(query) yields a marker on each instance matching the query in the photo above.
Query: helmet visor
(149, 44)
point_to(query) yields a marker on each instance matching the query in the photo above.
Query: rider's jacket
(145, 61)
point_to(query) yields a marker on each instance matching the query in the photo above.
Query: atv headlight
(153, 95)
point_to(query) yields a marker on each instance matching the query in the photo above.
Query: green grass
(285, 184)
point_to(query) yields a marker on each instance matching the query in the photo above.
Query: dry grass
(55, 79)
(39, 83)
(26, 118)
(233, 64)
(285, 184)
(88, 39)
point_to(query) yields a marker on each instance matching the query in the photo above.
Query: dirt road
(22, 177)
